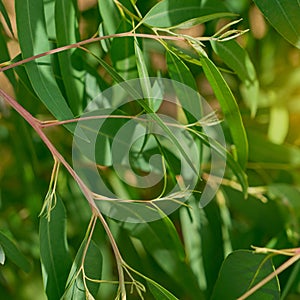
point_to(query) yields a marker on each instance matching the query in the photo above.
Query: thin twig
(284, 266)
(89, 41)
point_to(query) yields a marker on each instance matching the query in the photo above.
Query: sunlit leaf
(229, 108)
(169, 13)
(239, 61)
(154, 104)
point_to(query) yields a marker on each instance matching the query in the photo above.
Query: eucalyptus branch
(10, 65)
(36, 125)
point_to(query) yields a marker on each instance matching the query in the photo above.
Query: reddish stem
(89, 41)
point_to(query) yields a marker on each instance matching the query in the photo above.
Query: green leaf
(190, 219)
(171, 13)
(246, 268)
(110, 15)
(67, 33)
(284, 16)
(13, 253)
(149, 91)
(180, 72)
(55, 256)
(93, 269)
(229, 107)
(159, 292)
(2, 255)
(239, 61)
(136, 95)
(33, 40)
(233, 165)
(161, 241)
(124, 61)
(6, 17)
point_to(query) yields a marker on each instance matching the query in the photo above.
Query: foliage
(58, 58)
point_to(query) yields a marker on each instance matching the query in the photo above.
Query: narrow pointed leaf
(159, 292)
(232, 164)
(235, 57)
(67, 33)
(179, 71)
(93, 269)
(55, 257)
(13, 253)
(169, 13)
(190, 219)
(124, 61)
(145, 106)
(110, 16)
(33, 40)
(154, 103)
(284, 16)
(229, 108)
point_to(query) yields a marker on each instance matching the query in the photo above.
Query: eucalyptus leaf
(75, 289)
(162, 243)
(284, 16)
(159, 292)
(229, 108)
(13, 253)
(33, 40)
(170, 13)
(246, 268)
(124, 61)
(110, 16)
(67, 32)
(55, 257)
(179, 71)
(146, 86)
(239, 61)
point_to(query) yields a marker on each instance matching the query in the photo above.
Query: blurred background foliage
(269, 217)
